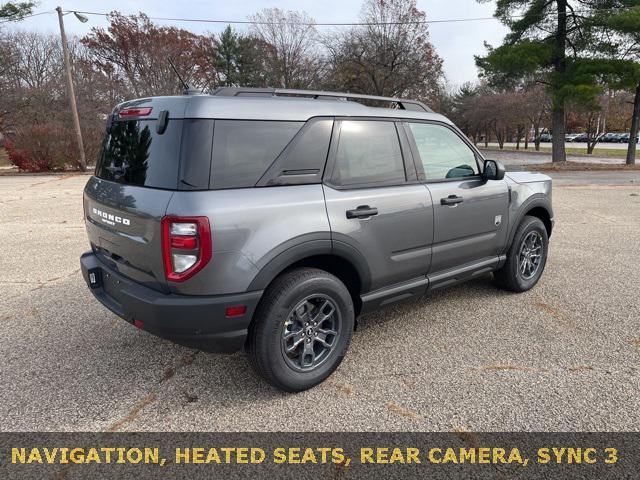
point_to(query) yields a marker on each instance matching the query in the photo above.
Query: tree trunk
(536, 140)
(558, 153)
(519, 134)
(590, 135)
(500, 138)
(635, 123)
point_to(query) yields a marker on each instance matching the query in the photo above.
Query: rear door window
(244, 149)
(134, 153)
(368, 153)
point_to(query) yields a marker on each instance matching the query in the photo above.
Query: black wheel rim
(310, 332)
(530, 257)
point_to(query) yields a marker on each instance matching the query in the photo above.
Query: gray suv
(267, 220)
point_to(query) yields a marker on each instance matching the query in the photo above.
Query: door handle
(363, 211)
(451, 200)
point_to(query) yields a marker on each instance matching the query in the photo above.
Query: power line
(27, 16)
(309, 24)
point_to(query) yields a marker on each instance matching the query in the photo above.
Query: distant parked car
(583, 137)
(608, 137)
(618, 138)
(546, 137)
(624, 138)
(570, 137)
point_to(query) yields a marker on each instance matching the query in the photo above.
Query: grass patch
(597, 152)
(582, 166)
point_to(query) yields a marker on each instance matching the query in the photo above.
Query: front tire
(301, 330)
(526, 257)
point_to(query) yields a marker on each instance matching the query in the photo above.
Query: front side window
(368, 153)
(443, 153)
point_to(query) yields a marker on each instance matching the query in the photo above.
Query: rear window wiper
(116, 171)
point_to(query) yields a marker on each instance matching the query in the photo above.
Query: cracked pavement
(562, 357)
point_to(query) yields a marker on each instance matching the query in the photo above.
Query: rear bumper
(195, 321)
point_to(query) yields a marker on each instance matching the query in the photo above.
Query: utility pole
(72, 95)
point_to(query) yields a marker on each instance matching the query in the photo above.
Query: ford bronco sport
(268, 220)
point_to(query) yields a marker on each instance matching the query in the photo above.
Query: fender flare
(534, 201)
(309, 248)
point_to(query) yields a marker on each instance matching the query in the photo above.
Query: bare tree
(291, 53)
(390, 55)
(536, 104)
(590, 117)
(31, 78)
(33, 106)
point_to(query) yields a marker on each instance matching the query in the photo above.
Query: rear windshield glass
(244, 149)
(134, 154)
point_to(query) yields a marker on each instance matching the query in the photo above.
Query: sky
(456, 43)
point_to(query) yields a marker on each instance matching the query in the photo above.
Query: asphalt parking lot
(564, 356)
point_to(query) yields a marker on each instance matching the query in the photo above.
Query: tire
(290, 303)
(510, 276)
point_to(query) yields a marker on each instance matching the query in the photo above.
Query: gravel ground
(564, 356)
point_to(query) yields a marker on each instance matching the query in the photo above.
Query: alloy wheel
(310, 332)
(530, 256)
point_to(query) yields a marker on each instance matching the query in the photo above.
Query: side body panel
(249, 228)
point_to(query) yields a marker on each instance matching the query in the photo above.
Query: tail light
(186, 246)
(135, 112)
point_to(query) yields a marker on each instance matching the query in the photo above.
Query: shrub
(16, 157)
(41, 148)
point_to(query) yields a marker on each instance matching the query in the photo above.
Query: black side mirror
(493, 170)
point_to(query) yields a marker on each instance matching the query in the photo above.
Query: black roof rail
(402, 103)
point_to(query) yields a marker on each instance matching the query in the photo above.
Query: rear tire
(524, 267)
(301, 330)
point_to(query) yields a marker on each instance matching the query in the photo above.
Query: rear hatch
(137, 172)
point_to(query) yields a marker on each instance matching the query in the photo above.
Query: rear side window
(368, 153)
(134, 154)
(244, 149)
(195, 157)
(303, 161)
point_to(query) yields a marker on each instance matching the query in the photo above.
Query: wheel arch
(537, 206)
(346, 263)
(543, 214)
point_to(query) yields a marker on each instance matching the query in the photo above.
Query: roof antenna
(187, 89)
